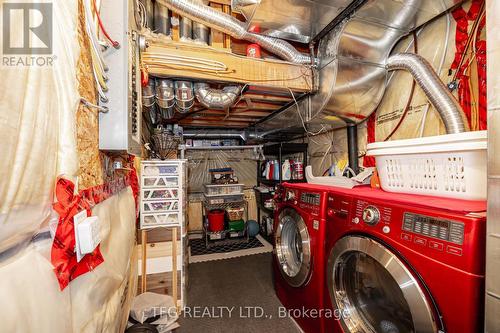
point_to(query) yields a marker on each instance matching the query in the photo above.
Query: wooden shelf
(240, 69)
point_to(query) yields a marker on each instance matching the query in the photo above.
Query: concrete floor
(220, 291)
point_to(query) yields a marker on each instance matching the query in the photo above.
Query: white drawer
(159, 219)
(159, 194)
(160, 170)
(160, 206)
(160, 181)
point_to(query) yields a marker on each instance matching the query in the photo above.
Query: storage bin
(222, 199)
(224, 189)
(451, 165)
(235, 214)
(238, 225)
(216, 220)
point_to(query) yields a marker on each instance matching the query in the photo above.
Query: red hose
(115, 44)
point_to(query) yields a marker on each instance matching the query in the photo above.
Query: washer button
(355, 220)
(386, 229)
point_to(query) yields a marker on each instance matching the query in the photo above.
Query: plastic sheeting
(243, 162)
(37, 128)
(32, 301)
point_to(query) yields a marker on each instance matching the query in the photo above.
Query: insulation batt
(92, 302)
(38, 143)
(37, 128)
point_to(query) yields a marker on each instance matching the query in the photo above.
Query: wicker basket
(235, 214)
(165, 143)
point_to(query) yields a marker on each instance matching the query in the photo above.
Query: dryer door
(293, 247)
(374, 290)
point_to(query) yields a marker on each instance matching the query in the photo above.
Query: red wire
(113, 42)
(410, 98)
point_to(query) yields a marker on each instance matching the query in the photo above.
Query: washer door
(293, 248)
(374, 290)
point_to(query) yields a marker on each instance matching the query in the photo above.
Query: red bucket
(216, 220)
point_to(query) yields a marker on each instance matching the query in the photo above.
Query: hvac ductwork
(227, 24)
(214, 98)
(435, 90)
(185, 28)
(217, 134)
(184, 97)
(352, 62)
(165, 98)
(161, 19)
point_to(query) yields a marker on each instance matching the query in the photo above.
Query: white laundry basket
(452, 165)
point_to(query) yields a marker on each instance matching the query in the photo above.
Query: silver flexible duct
(184, 97)
(235, 28)
(215, 98)
(438, 94)
(165, 98)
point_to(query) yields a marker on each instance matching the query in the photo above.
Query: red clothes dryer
(299, 257)
(403, 263)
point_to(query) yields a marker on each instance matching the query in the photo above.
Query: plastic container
(286, 170)
(222, 199)
(235, 214)
(452, 165)
(224, 189)
(216, 220)
(238, 225)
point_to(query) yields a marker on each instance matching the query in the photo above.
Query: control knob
(371, 215)
(290, 195)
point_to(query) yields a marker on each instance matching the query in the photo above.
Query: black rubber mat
(198, 246)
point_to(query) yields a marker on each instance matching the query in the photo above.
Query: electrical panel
(120, 127)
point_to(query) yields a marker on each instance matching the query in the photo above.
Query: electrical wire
(186, 63)
(308, 133)
(103, 109)
(467, 44)
(92, 33)
(440, 68)
(410, 98)
(113, 42)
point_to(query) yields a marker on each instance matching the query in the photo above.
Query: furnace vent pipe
(227, 24)
(436, 91)
(215, 98)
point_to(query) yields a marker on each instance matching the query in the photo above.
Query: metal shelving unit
(278, 150)
(220, 237)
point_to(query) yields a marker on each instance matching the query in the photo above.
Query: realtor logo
(36, 24)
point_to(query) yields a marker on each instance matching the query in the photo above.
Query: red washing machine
(299, 235)
(399, 263)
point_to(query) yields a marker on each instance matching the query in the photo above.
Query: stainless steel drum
(293, 247)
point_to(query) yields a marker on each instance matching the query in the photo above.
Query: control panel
(371, 214)
(310, 198)
(442, 229)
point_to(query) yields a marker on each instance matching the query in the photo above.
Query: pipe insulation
(436, 91)
(216, 98)
(229, 25)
